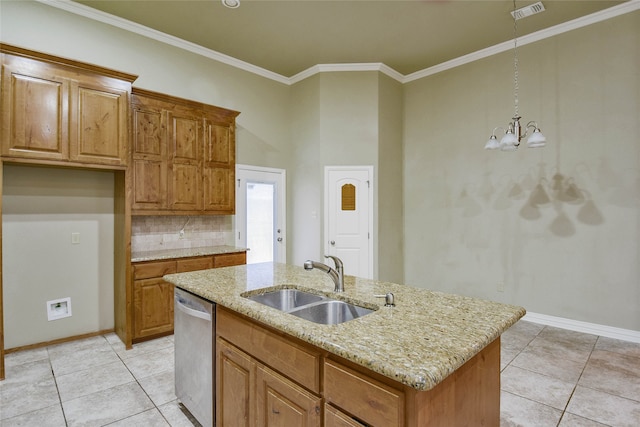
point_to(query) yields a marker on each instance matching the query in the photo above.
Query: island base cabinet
(250, 394)
(335, 418)
(280, 402)
(235, 377)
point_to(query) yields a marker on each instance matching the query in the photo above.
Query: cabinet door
(185, 161)
(149, 158)
(35, 110)
(235, 376)
(219, 168)
(153, 307)
(280, 402)
(335, 418)
(98, 129)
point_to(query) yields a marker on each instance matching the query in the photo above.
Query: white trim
(88, 12)
(579, 326)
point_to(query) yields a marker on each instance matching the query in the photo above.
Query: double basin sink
(315, 308)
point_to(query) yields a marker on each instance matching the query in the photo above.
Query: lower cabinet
(267, 378)
(153, 297)
(251, 394)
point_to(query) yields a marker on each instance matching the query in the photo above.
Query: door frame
(281, 207)
(372, 236)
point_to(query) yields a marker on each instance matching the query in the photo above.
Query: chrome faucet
(336, 275)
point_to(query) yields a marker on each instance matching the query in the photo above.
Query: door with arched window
(349, 217)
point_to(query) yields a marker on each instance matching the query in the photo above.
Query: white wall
(473, 218)
(41, 208)
(262, 138)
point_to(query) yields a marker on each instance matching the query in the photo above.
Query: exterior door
(261, 214)
(349, 217)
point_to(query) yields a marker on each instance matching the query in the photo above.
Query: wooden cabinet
(153, 297)
(56, 111)
(183, 156)
(369, 400)
(265, 377)
(249, 392)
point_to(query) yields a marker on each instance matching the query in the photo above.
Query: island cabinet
(61, 112)
(265, 377)
(153, 297)
(183, 156)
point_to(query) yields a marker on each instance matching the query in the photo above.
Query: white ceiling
(288, 37)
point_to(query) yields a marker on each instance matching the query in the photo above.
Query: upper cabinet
(60, 111)
(183, 156)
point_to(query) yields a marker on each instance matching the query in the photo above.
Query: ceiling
(288, 37)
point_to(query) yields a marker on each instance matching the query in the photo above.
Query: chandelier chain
(515, 60)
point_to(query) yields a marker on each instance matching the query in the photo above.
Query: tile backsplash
(151, 233)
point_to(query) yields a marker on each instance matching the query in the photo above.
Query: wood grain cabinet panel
(195, 167)
(153, 307)
(149, 158)
(280, 402)
(333, 417)
(227, 260)
(56, 111)
(235, 390)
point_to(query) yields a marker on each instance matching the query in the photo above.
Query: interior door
(261, 214)
(349, 217)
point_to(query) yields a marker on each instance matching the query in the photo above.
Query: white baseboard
(579, 326)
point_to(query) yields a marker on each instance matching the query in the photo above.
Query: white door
(260, 213)
(349, 217)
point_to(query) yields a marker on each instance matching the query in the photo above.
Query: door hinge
(368, 184)
(238, 182)
(238, 235)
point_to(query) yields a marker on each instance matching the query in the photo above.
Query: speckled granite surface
(419, 342)
(183, 253)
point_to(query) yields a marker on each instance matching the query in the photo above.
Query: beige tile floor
(550, 377)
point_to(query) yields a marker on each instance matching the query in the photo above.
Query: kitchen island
(431, 360)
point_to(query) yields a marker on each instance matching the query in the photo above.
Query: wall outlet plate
(58, 309)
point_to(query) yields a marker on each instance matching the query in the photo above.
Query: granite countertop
(419, 342)
(141, 256)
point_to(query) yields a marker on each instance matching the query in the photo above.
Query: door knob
(333, 242)
(279, 239)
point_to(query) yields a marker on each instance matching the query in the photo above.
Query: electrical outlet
(181, 234)
(500, 287)
(75, 238)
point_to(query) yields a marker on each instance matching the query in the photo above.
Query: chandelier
(514, 131)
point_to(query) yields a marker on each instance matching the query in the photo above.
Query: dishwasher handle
(190, 311)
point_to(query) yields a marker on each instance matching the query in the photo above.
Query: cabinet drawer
(227, 260)
(153, 269)
(369, 400)
(299, 363)
(194, 264)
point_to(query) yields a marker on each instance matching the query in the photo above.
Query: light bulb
(492, 143)
(537, 139)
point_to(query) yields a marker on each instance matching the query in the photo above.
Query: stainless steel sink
(331, 312)
(312, 307)
(286, 299)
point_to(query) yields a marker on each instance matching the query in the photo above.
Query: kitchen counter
(183, 253)
(419, 342)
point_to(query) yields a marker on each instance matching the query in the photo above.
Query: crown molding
(88, 12)
(106, 18)
(603, 15)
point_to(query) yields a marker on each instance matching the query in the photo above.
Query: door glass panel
(260, 222)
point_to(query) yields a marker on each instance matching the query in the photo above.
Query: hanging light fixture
(513, 133)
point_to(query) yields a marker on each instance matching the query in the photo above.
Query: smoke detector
(532, 9)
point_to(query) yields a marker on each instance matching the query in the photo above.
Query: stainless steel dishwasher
(194, 326)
